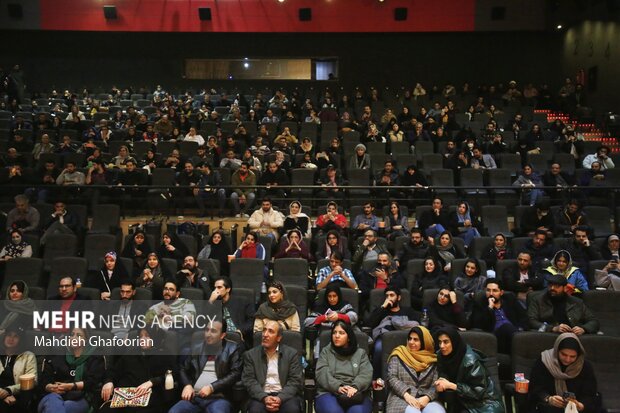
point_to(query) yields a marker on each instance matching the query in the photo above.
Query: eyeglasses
(63, 286)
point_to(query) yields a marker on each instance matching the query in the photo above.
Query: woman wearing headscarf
(444, 251)
(172, 247)
(296, 219)
(530, 183)
(252, 248)
(463, 223)
(343, 374)
(17, 306)
(360, 159)
(611, 247)
(396, 224)
(277, 308)
(446, 311)
(71, 381)
(14, 362)
(412, 373)
(432, 276)
(470, 281)
(217, 248)
(559, 370)
(16, 248)
(145, 370)
(562, 264)
(137, 248)
(330, 309)
(293, 246)
(499, 251)
(462, 372)
(111, 275)
(153, 275)
(333, 243)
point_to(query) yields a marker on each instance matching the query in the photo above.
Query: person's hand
(3, 393)
(65, 387)
(562, 328)
(411, 401)
(453, 297)
(491, 302)
(431, 240)
(215, 294)
(557, 401)
(188, 392)
(144, 388)
(578, 404)
(586, 242)
(170, 247)
(107, 390)
(578, 330)
(467, 223)
(442, 385)
(10, 400)
(338, 270)
(333, 316)
(105, 296)
(381, 273)
(365, 243)
(147, 275)
(387, 303)
(206, 391)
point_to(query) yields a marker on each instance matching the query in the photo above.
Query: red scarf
(249, 251)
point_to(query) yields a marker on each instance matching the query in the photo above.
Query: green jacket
(333, 371)
(475, 389)
(540, 310)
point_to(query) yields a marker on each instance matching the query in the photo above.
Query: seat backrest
(106, 218)
(442, 177)
(210, 266)
(602, 352)
(526, 348)
(247, 273)
(29, 270)
(59, 245)
(479, 245)
(472, 178)
(96, 246)
(291, 271)
(599, 219)
(605, 305)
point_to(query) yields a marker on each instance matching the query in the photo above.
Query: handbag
(346, 402)
(126, 397)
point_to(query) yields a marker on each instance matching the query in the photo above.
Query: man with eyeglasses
(66, 299)
(415, 248)
(335, 273)
(368, 249)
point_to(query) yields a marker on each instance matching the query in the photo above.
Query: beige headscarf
(552, 362)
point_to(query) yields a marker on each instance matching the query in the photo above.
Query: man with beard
(582, 250)
(416, 248)
(193, 277)
(208, 376)
(243, 195)
(555, 311)
(522, 279)
(237, 312)
(126, 309)
(539, 248)
(498, 313)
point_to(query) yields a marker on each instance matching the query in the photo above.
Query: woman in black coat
(137, 248)
(172, 247)
(559, 370)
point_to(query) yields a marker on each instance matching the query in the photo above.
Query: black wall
(76, 59)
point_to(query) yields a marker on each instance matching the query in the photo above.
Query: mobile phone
(568, 395)
(615, 258)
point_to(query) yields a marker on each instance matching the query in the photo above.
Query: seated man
(272, 374)
(366, 220)
(384, 274)
(537, 217)
(522, 278)
(498, 313)
(570, 218)
(209, 187)
(582, 250)
(209, 374)
(415, 248)
(237, 312)
(555, 311)
(192, 276)
(539, 248)
(243, 195)
(273, 178)
(61, 221)
(335, 273)
(266, 221)
(435, 221)
(332, 185)
(23, 216)
(368, 250)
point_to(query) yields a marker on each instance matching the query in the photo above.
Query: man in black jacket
(237, 312)
(498, 313)
(273, 178)
(416, 248)
(209, 374)
(522, 279)
(192, 276)
(435, 221)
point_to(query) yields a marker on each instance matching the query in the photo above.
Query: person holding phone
(563, 374)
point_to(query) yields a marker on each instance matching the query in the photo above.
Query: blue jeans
(469, 235)
(202, 405)
(376, 359)
(54, 403)
(435, 231)
(432, 407)
(327, 403)
(292, 405)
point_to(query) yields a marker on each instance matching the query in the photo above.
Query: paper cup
(230, 258)
(381, 224)
(522, 386)
(26, 382)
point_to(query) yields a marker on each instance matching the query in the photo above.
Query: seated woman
(17, 307)
(277, 308)
(343, 374)
(217, 248)
(396, 224)
(333, 242)
(498, 251)
(153, 276)
(432, 276)
(331, 220)
(559, 370)
(464, 223)
(137, 249)
(172, 247)
(70, 381)
(110, 276)
(296, 219)
(14, 363)
(331, 309)
(462, 371)
(335, 273)
(145, 371)
(16, 248)
(445, 251)
(446, 311)
(411, 376)
(252, 248)
(530, 183)
(562, 264)
(470, 281)
(293, 246)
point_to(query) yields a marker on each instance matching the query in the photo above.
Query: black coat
(511, 278)
(483, 317)
(429, 218)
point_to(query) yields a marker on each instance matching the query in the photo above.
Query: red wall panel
(247, 16)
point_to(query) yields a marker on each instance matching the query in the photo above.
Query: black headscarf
(130, 250)
(351, 348)
(220, 252)
(322, 307)
(449, 365)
